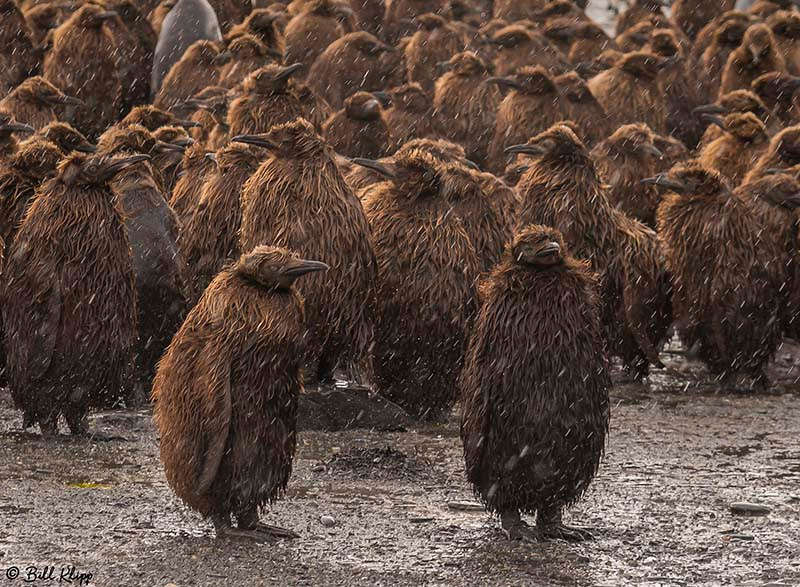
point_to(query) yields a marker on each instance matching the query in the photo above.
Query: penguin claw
(566, 533)
(521, 532)
(237, 534)
(275, 532)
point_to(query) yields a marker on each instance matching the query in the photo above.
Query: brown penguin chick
(726, 285)
(636, 37)
(42, 19)
(23, 173)
(427, 267)
(266, 100)
(82, 64)
(519, 46)
(778, 90)
(36, 101)
(348, 65)
(763, 9)
(758, 54)
(606, 60)
(629, 92)
(247, 55)
(516, 10)
(785, 27)
(66, 138)
(358, 130)
(562, 189)
(301, 181)
(623, 160)
(186, 194)
(435, 42)
(723, 40)
(783, 152)
(465, 103)
(775, 197)
(673, 151)
(168, 160)
(18, 58)
(638, 11)
(369, 15)
(737, 149)
(692, 15)
(161, 272)
(9, 127)
(583, 108)
(399, 18)
(227, 389)
(486, 226)
(740, 101)
(315, 109)
(159, 13)
(210, 237)
(196, 69)
(309, 33)
(533, 442)
(211, 116)
(71, 278)
(261, 23)
(589, 41)
(409, 115)
(533, 105)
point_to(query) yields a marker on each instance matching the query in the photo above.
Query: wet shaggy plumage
(358, 130)
(81, 63)
(623, 160)
(71, 329)
(740, 101)
(736, 151)
(535, 383)
(427, 266)
(66, 138)
(261, 23)
(409, 115)
(785, 26)
(299, 199)
(562, 189)
(248, 54)
(227, 388)
(758, 54)
(783, 152)
(518, 46)
(639, 11)
(168, 159)
(712, 49)
(465, 105)
(726, 285)
(266, 100)
(692, 15)
(36, 101)
(194, 71)
(435, 42)
(629, 91)
(18, 58)
(310, 32)
(583, 109)
(210, 237)
(186, 195)
(778, 91)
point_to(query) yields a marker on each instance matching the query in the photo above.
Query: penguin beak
(551, 248)
(288, 71)
(774, 171)
(663, 180)
(86, 147)
(710, 109)
(16, 127)
(223, 58)
(653, 150)
(375, 166)
(384, 98)
(184, 142)
(471, 164)
(106, 15)
(164, 147)
(117, 165)
(526, 149)
(212, 157)
(188, 123)
(69, 100)
(504, 82)
(711, 119)
(257, 140)
(300, 267)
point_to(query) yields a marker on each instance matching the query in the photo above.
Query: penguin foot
(260, 533)
(522, 532)
(99, 436)
(563, 532)
(275, 532)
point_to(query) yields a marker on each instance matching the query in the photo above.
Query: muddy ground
(680, 453)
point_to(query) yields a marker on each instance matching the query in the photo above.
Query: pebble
(465, 506)
(757, 509)
(327, 521)
(745, 537)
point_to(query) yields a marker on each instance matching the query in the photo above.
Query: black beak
(117, 165)
(504, 82)
(303, 266)
(106, 15)
(163, 146)
(86, 147)
(715, 120)
(526, 149)
(257, 140)
(550, 248)
(188, 123)
(653, 150)
(288, 71)
(664, 181)
(471, 164)
(69, 100)
(375, 166)
(384, 98)
(212, 157)
(184, 142)
(16, 127)
(710, 109)
(223, 58)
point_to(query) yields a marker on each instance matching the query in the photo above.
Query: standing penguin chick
(197, 69)
(692, 15)
(758, 54)
(533, 442)
(266, 100)
(18, 57)
(409, 115)
(167, 159)
(623, 160)
(358, 130)
(194, 169)
(778, 91)
(465, 102)
(427, 267)
(783, 152)
(562, 189)
(36, 101)
(583, 108)
(735, 152)
(66, 138)
(519, 46)
(299, 199)
(629, 91)
(9, 128)
(226, 393)
(188, 21)
(435, 42)
(71, 278)
(785, 27)
(309, 33)
(726, 284)
(248, 54)
(640, 11)
(82, 64)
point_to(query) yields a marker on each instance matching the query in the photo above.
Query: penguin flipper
(47, 316)
(214, 378)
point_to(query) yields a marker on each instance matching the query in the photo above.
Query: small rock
(318, 469)
(465, 506)
(744, 537)
(327, 521)
(755, 509)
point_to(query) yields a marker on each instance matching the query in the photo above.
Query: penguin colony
(463, 204)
